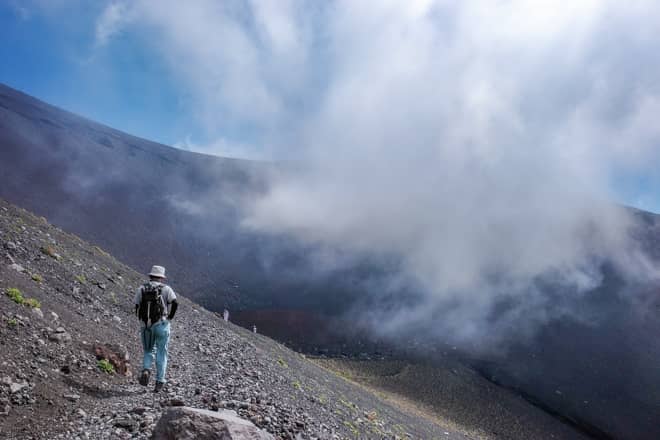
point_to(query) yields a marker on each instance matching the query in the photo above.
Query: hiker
(225, 315)
(254, 328)
(155, 305)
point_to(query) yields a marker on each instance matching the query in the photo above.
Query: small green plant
(353, 429)
(81, 279)
(282, 362)
(15, 295)
(105, 366)
(36, 277)
(113, 297)
(31, 302)
(12, 322)
(296, 384)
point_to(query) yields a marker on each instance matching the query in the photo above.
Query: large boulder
(185, 423)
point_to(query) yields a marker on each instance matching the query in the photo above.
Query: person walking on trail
(155, 305)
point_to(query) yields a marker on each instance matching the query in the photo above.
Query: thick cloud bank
(473, 144)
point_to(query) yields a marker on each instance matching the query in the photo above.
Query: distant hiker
(254, 328)
(155, 305)
(225, 315)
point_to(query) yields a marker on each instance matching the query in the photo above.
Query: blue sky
(125, 87)
(275, 80)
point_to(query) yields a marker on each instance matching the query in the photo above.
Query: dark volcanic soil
(51, 386)
(455, 396)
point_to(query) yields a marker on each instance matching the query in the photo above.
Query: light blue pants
(154, 342)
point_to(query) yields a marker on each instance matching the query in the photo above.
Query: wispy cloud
(113, 18)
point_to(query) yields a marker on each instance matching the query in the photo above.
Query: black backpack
(151, 307)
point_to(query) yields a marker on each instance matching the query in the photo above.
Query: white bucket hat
(157, 271)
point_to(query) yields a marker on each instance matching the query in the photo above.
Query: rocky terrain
(63, 300)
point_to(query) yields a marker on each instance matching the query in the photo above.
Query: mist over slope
(140, 199)
(554, 298)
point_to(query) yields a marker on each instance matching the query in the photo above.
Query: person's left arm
(173, 304)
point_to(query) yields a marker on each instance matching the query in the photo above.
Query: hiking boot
(158, 387)
(144, 378)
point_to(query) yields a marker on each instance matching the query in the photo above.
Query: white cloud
(471, 141)
(110, 22)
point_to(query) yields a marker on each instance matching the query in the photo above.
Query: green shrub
(297, 385)
(81, 279)
(31, 302)
(105, 366)
(15, 295)
(36, 277)
(282, 362)
(12, 322)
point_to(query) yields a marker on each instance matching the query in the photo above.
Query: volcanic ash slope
(52, 386)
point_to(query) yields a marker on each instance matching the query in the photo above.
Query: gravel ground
(51, 386)
(455, 396)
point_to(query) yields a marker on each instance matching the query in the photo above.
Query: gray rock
(71, 397)
(185, 423)
(59, 337)
(17, 267)
(37, 311)
(15, 387)
(127, 423)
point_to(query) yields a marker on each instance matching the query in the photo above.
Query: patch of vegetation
(81, 279)
(347, 404)
(113, 297)
(36, 277)
(282, 362)
(18, 298)
(105, 366)
(12, 322)
(296, 384)
(352, 427)
(15, 295)
(31, 302)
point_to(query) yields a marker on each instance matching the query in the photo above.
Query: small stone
(126, 423)
(72, 397)
(59, 337)
(17, 267)
(37, 311)
(15, 387)
(177, 401)
(81, 413)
